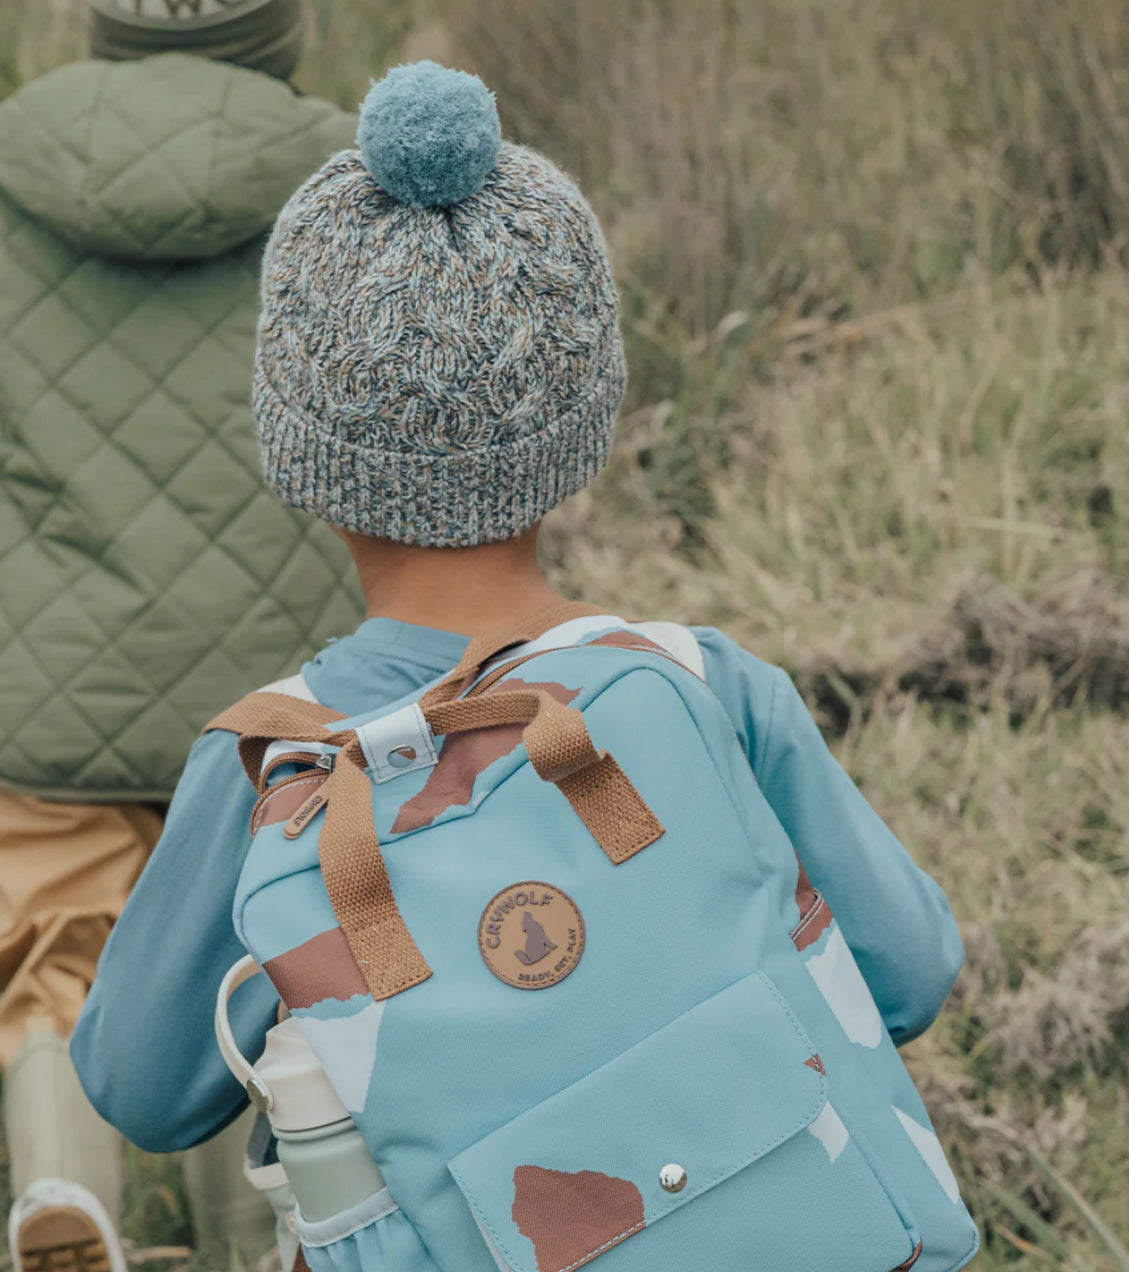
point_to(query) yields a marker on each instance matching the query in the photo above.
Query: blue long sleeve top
(144, 1045)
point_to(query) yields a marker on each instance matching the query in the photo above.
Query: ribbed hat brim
(454, 499)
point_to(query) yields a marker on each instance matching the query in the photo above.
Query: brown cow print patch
(531, 935)
(322, 967)
(913, 1258)
(463, 757)
(571, 1219)
(815, 913)
(626, 640)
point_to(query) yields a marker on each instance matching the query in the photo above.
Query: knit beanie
(264, 35)
(439, 358)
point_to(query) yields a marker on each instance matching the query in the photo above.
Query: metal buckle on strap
(317, 751)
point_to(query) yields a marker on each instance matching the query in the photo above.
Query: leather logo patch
(531, 935)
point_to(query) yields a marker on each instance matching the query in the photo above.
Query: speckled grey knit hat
(439, 357)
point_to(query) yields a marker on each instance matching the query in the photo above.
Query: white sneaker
(59, 1226)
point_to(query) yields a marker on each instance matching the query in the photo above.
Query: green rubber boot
(65, 1163)
(232, 1219)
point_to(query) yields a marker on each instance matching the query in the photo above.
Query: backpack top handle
(352, 865)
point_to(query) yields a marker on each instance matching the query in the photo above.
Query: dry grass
(847, 497)
(875, 296)
(812, 156)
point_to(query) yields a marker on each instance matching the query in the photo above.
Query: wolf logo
(550, 925)
(537, 944)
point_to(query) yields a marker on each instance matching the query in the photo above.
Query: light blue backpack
(556, 954)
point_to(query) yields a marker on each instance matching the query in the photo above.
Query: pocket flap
(707, 1095)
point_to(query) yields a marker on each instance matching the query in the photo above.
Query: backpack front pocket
(713, 1143)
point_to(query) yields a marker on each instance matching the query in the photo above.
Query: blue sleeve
(144, 1046)
(893, 916)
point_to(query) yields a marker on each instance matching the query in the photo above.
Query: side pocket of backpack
(370, 1237)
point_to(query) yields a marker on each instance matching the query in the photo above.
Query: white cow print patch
(929, 1146)
(840, 982)
(346, 1047)
(828, 1128)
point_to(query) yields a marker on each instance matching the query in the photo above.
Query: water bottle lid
(287, 1083)
(289, 1069)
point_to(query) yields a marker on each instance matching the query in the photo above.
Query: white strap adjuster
(397, 743)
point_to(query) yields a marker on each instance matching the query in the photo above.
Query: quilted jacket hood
(172, 157)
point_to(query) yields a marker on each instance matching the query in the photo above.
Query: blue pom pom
(429, 135)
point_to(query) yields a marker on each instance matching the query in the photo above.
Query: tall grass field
(874, 257)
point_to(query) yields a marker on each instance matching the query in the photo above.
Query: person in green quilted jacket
(146, 576)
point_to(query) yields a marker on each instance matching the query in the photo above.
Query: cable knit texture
(436, 376)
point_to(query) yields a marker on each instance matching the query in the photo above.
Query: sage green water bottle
(326, 1161)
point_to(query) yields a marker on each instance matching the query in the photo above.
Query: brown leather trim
(61, 1236)
(306, 812)
(352, 864)
(816, 1062)
(278, 803)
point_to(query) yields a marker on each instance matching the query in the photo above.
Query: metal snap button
(672, 1178)
(401, 756)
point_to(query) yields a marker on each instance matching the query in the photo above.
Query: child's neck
(467, 590)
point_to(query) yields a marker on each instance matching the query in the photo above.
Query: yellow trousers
(65, 873)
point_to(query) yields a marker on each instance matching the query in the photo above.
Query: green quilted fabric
(147, 577)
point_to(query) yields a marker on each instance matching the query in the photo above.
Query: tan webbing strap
(561, 750)
(482, 648)
(519, 706)
(606, 801)
(262, 718)
(360, 891)
(603, 796)
(558, 741)
(352, 864)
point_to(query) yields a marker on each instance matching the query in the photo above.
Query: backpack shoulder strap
(678, 641)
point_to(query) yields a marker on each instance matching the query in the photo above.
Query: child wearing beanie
(439, 365)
